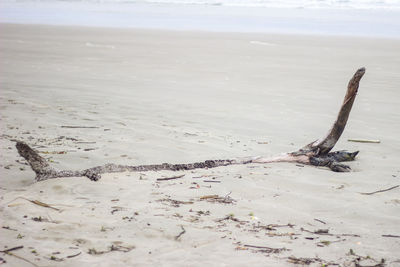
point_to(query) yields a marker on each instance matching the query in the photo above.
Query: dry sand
(177, 97)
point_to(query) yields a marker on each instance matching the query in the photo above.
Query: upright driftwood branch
(316, 153)
(326, 144)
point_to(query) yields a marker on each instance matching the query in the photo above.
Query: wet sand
(179, 97)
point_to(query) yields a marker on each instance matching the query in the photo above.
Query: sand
(179, 97)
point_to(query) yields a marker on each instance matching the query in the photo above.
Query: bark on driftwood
(316, 153)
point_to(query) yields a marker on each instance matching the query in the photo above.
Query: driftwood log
(316, 153)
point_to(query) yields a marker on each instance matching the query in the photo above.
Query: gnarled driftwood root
(316, 153)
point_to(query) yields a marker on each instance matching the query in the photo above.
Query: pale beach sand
(180, 97)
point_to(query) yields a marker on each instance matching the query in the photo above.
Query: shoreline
(325, 22)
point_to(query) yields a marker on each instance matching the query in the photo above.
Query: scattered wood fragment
(211, 181)
(9, 228)
(266, 249)
(395, 236)
(93, 251)
(181, 233)
(305, 261)
(325, 243)
(41, 219)
(74, 255)
(230, 217)
(321, 231)
(352, 235)
(364, 141)
(380, 191)
(318, 220)
(215, 198)
(174, 202)
(11, 249)
(272, 227)
(37, 202)
(326, 232)
(170, 178)
(317, 232)
(206, 175)
(274, 234)
(208, 196)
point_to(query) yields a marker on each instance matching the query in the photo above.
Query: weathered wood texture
(326, 144)
(316, 153)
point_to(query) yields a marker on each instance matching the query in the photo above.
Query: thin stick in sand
(364, 141)
(381, 191)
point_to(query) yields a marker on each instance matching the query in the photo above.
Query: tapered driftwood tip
(37, 162)
(359, 73)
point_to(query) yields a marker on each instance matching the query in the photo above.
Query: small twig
(353, 235)
(37, 202)
(396, 236)
(321, 231)
(93, 251)
(71, 256)
(326, 232)
(364, 141)
(174, 202)
(11, 249)
(121, 248)
(170, 178)
(318, 220)
(8, 228)
(380, 191)
(272, 227)
(211, 181)
(209, 196)
(266, 249)
(232, 218)
(181, 233)
(252, 246)
(303, 261)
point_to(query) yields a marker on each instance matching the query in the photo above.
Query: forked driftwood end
(316, 153)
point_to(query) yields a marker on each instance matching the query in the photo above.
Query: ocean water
(355, 4)
(372, 18)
